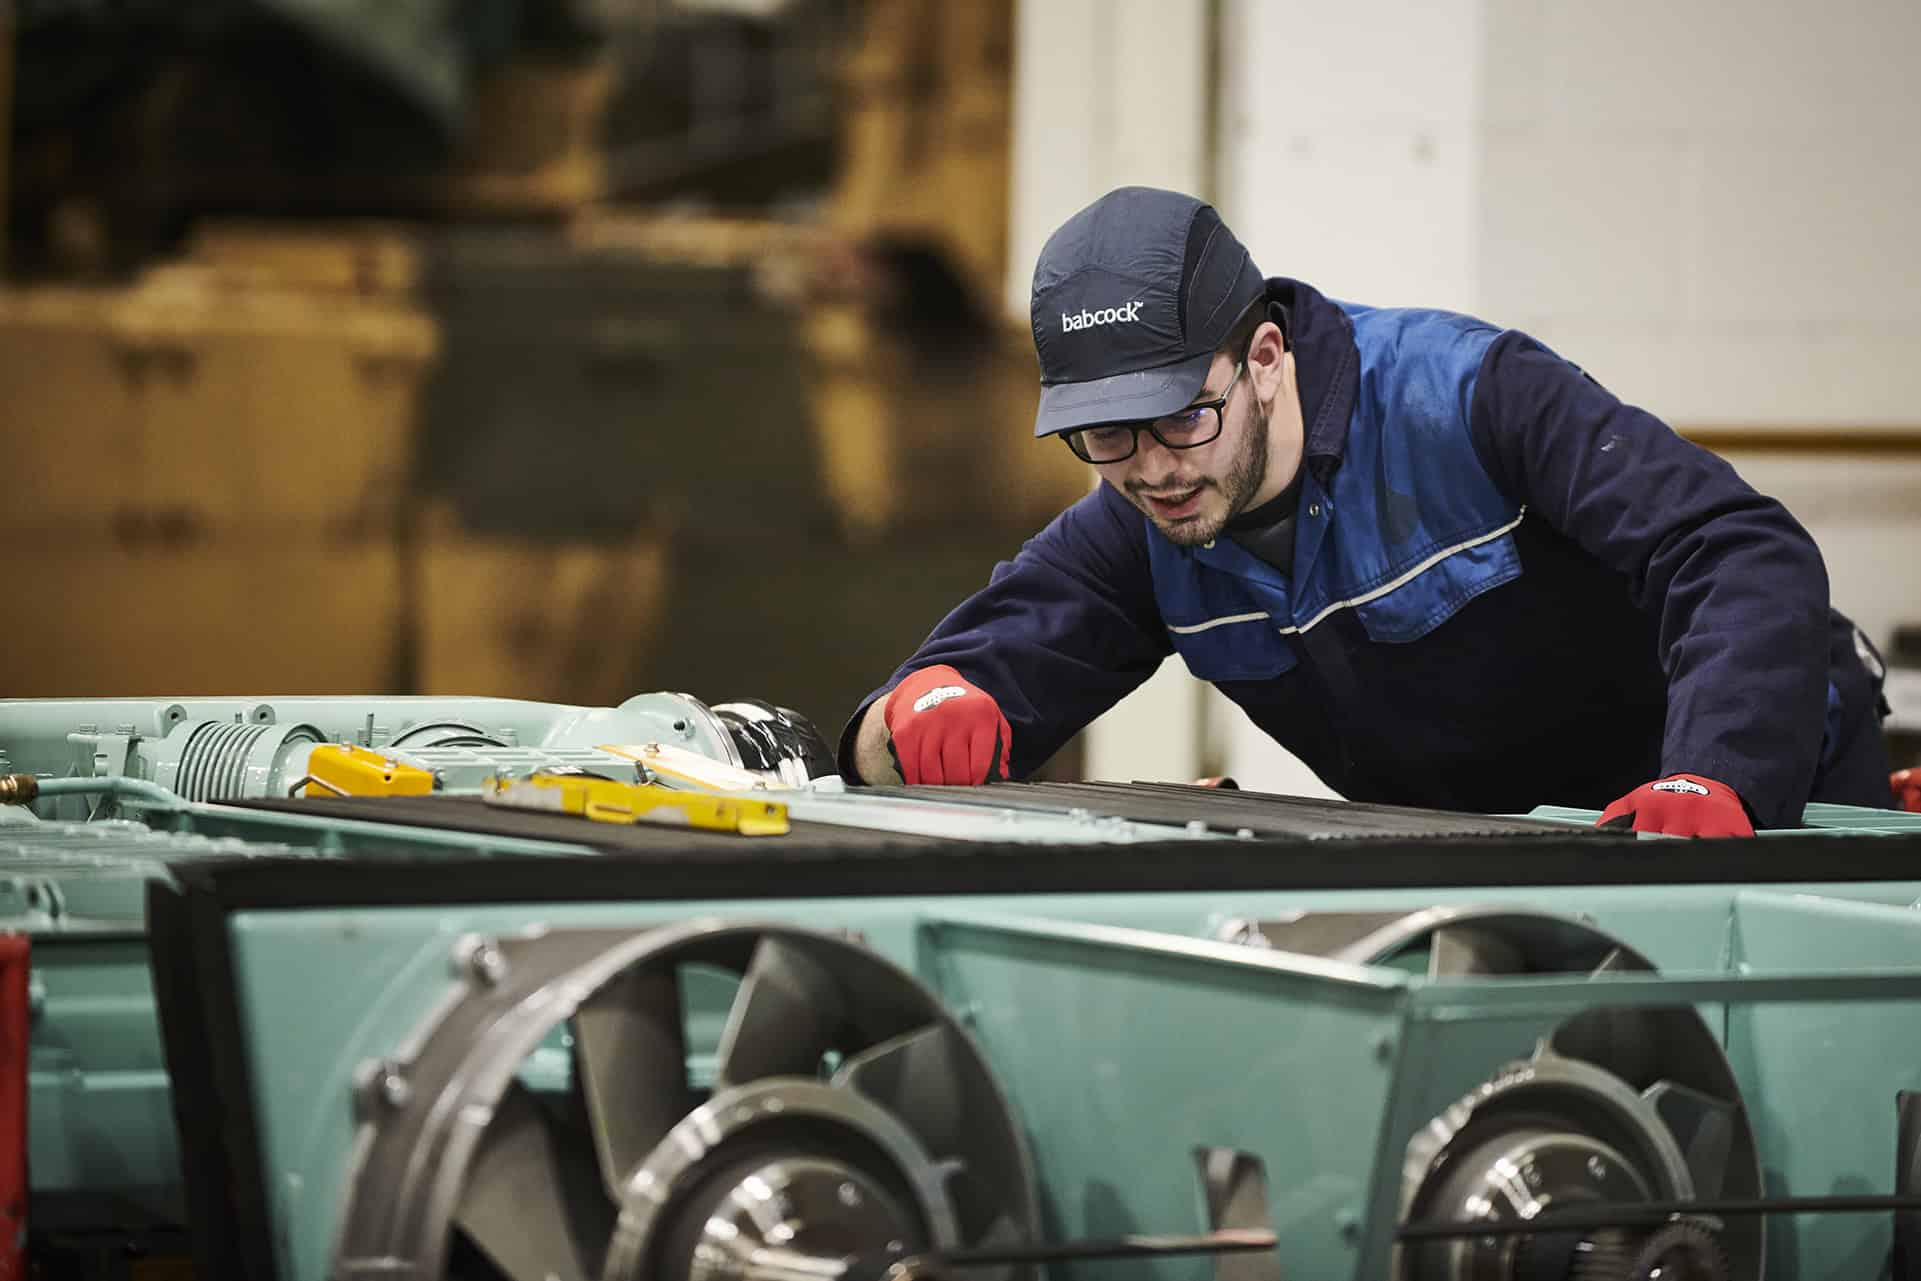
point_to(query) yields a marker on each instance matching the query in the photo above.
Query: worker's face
(1190, 493)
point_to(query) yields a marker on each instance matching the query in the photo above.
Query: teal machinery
(393, 1030)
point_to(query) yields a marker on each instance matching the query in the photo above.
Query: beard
(1236, 488)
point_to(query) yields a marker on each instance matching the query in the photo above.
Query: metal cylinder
(224, 760)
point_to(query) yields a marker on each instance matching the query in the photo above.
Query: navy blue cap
(1132, 297)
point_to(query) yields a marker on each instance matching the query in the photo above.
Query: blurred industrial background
(564, 349)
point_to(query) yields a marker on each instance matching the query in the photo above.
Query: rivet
(1314, 509)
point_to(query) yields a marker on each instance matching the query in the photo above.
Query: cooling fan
(1616, 1107)
(848, 1116)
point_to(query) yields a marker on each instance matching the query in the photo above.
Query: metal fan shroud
(848, 1113)
(1615, 1105)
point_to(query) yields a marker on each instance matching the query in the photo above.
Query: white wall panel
(1107, 93)
(1110, 93)
(1349, 147)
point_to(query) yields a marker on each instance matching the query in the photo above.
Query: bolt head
(848, 1195)
(479, 958)
(488, 964)
(395, 1090)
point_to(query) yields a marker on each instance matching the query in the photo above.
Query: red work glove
(1681, 805)
(943, 729)
(1906, 784)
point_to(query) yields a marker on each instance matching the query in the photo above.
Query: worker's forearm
(871, 757)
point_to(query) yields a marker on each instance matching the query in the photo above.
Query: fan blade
(630, 1055)
(920, 1077)
(532, 1203)
(1456, 951)
(783, 1019)
(1626, 1042)
(1615, 962)
(1704, 1127)
(930, 1081)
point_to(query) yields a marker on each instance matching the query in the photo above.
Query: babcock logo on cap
(1085, 319)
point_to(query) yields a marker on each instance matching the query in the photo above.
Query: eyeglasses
(1116, 442)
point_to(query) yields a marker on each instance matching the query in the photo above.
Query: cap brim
(1147, 393)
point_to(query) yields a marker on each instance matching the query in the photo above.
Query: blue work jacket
(1508, 589)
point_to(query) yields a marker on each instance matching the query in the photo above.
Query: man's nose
(1151, 458)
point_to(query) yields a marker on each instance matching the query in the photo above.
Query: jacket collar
(1327, 369)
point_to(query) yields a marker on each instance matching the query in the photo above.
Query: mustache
(1141, 489)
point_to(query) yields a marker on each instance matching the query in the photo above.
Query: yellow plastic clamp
(606, 801)
(340, 769)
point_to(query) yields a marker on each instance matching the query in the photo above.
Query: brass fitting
(18, 789)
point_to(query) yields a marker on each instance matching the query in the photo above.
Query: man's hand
(1681, 805)
(1906, 784)
(943, 729)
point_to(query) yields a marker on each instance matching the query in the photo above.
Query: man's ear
(1264, 353)
(1278, 314)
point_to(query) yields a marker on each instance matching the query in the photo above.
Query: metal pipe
(939, 1263)
(23, 789)
(768, 1264)
(1647, 1214)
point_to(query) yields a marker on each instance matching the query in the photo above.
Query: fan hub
(780, 1179)
(1527, 1174)
(790, 1218)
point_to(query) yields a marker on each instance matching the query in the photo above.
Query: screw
(1596, 1167)
(1348, 1224)
(487, 964)
(395, 1090)
(478, 957)
(1239, 930)
(848, 1195)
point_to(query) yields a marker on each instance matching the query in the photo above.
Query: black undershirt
(1268, 530)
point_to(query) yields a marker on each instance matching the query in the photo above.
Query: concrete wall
(1710, 205)
(1110, 93)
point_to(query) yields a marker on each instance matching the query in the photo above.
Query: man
(1431, 558)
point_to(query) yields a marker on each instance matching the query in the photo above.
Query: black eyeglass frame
(1218, 405)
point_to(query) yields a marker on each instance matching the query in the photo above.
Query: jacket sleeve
(1736, 586)
(1059, 634)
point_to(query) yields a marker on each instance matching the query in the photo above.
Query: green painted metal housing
(1128, 1037)
(1125, 1030)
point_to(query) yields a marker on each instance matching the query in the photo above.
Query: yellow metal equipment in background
(607, 801)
